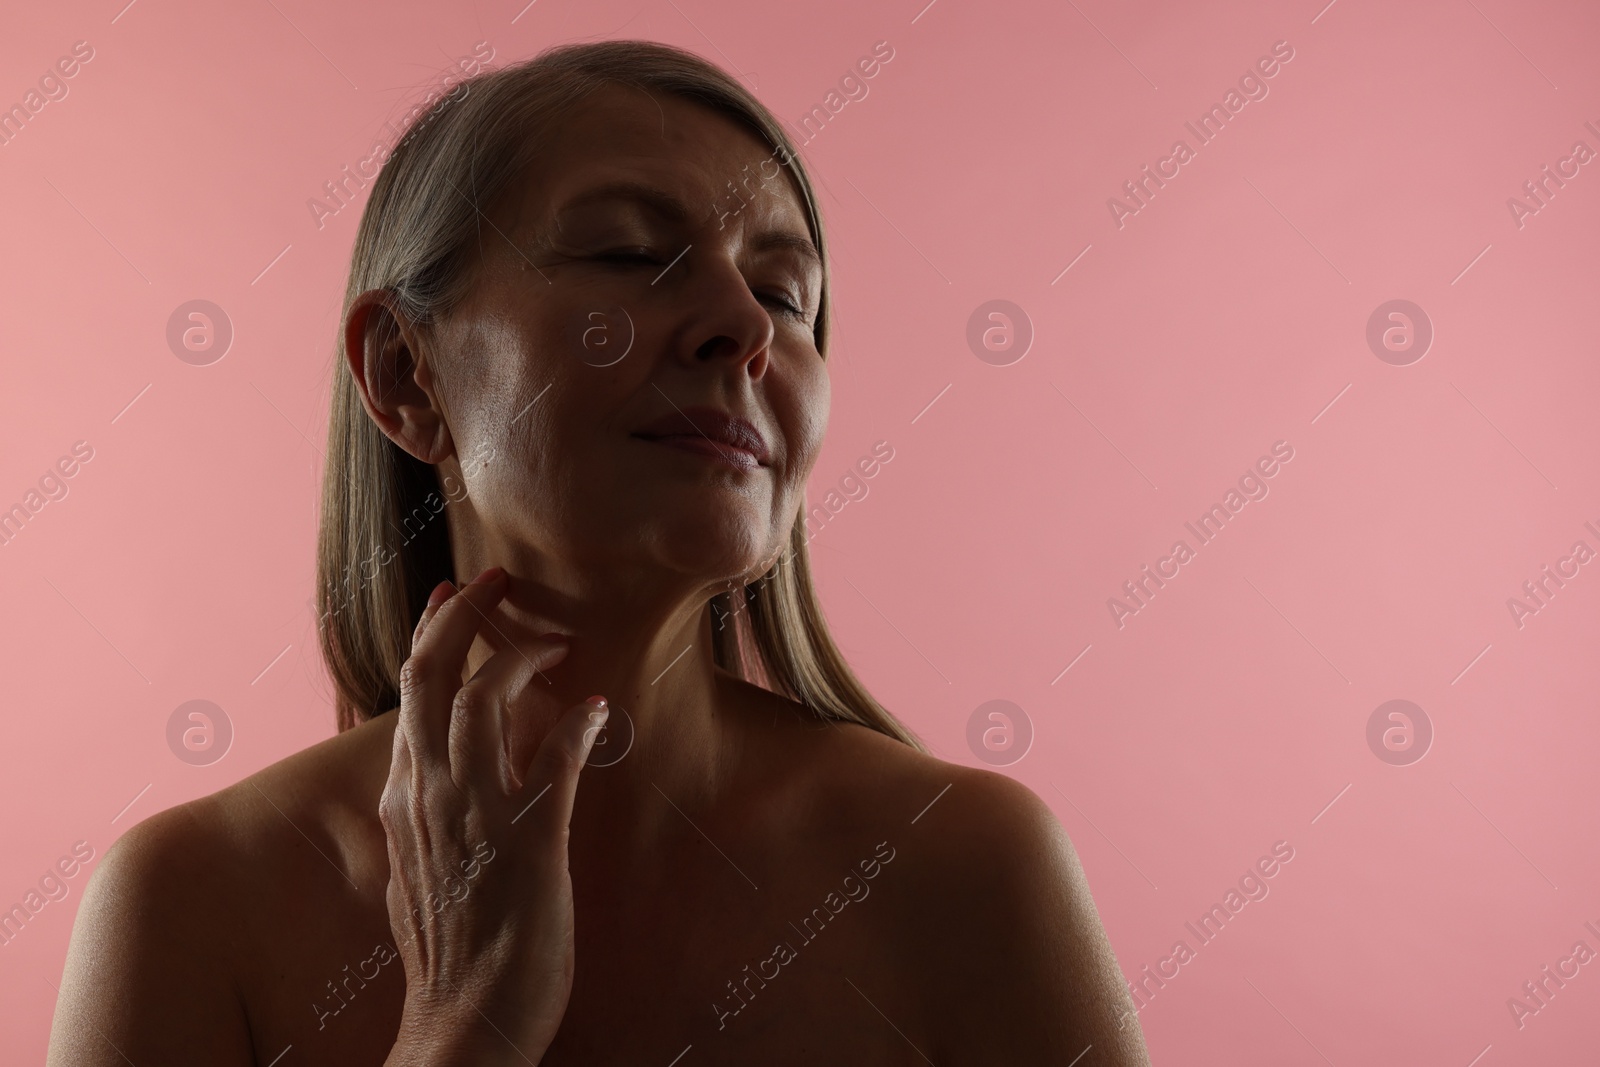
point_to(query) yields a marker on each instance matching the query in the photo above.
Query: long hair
(418, 233)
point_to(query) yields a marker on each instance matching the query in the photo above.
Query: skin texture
(931, 912)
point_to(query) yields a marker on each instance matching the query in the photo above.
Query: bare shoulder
(143, 977)
(159, 950)
(320, 798)
(972, 807)
(1003, 927)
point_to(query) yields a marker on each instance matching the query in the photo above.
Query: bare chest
(786, 957)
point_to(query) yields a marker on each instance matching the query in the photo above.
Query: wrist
(463, 1052)
(455, 1035)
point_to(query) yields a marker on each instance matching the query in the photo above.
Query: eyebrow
(673, 210)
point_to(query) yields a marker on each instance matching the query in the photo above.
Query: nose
(727, 321)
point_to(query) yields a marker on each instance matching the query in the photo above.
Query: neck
(648, 652)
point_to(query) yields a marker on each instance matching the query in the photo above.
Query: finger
(441, 592)
(478, 743)
(431, 675)
(498, 634)
(552, 776)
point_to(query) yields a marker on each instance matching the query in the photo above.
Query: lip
(717, 452)
(711, 432)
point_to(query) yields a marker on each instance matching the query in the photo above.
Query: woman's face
(623, 289)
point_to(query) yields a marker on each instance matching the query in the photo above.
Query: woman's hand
(480, 898)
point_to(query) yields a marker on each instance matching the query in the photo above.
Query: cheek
(810, 401)
(801, 410)
(511, 392)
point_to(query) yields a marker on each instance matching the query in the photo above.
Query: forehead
(620, 135)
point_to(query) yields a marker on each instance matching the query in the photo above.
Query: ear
(389, 360)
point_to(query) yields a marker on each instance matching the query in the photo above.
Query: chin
(720, 551)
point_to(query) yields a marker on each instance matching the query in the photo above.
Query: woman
(583, 339)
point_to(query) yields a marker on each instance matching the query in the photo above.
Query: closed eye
(784, 306)
(628, 255)
(644, 257)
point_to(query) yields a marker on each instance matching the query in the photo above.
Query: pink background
(1224, 317)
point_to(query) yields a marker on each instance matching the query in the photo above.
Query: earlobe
(388, 359)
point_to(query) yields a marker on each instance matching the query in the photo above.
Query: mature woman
(583, 344)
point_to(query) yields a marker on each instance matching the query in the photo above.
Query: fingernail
(599, 702)
(441, 593)
(553, 636)
(490, 575)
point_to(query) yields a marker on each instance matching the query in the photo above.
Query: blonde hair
(416, 239)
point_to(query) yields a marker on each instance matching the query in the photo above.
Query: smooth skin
(436, 885)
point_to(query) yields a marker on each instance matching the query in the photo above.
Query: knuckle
(406, 799)
(471, 699)
(391, 808)
(414, 671)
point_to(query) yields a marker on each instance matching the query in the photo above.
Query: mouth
(710, 433)
(716, 451)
